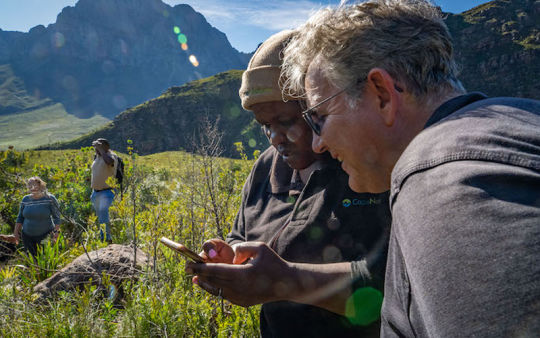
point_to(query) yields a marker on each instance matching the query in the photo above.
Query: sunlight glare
(58, 39)
(193, 60)
(182, 38)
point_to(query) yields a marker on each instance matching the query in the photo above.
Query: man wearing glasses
(463, 170)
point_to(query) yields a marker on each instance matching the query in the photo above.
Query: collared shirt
(101, 171)
(465, 239)
(329, 223)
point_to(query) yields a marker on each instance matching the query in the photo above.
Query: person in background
(104, 166)
(39, 216)
(315, 249)
(463, 169)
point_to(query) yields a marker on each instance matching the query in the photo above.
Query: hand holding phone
(181, 249)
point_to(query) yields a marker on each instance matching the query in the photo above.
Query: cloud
(282, 15)
(248, 23)
(214, 10)
(277, 15)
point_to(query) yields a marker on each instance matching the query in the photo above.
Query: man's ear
(387, 97)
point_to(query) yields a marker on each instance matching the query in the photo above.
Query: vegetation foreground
(186, 197)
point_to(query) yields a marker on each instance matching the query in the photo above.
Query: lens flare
(182, 38)
(364, 306)
(193, 60)
(59, 40)
(119, 101)
(252, 143)
(124, 47)
(69, 82)
(108, 67)
(176, 30)
(280, 288)
(315, 233)
(294, 133)
(184, 46)
(331, 254)
(165, 14)
(234, 112)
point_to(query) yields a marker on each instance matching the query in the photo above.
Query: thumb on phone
(248, 250)
(217, 251)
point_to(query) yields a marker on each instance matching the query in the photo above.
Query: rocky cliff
(497, 45)
(103, 56)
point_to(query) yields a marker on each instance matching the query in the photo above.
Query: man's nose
(317, 144)
(276, 136)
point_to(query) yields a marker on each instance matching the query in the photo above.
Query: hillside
(497, 45)
(170, 121)
(13, 94)
(47, 124)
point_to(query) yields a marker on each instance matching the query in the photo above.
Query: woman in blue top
(39, 215)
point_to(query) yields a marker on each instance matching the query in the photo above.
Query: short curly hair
(407, 38)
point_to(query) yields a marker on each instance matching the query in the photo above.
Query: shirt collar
(284, 179)
(452, 106)
(296, 186)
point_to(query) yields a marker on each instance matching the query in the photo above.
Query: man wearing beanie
(303, 243)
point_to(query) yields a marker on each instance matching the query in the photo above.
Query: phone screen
(181, 249)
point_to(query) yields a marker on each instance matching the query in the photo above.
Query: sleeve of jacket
(469, 238)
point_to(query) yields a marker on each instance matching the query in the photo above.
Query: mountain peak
(102, 56)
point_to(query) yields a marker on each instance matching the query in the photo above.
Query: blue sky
(245, 22)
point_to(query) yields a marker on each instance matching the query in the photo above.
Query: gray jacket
(464, 255)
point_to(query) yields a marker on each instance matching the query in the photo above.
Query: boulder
(7, 250)
(115, 261)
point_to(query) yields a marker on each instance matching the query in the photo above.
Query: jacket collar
(453, 105)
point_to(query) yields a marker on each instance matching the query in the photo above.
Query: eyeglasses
(308, 114)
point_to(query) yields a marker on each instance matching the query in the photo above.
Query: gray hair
(39, 181)
(407, 38)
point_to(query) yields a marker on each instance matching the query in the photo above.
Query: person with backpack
(106, 164)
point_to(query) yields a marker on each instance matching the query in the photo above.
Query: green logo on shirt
(368, 201)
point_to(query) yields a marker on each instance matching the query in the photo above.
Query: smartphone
(181, 249)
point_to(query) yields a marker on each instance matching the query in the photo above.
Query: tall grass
(157, 202)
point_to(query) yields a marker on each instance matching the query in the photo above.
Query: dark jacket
(330, 223)
(465, 242)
